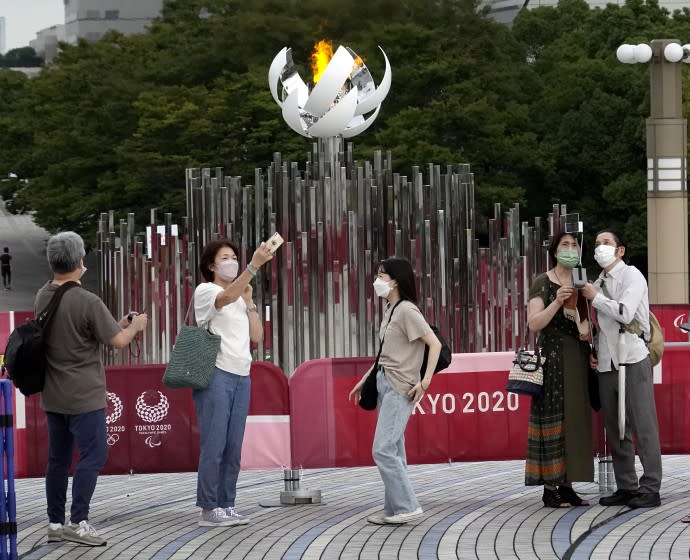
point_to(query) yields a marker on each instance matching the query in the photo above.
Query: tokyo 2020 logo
(114, 407)
(152, 412)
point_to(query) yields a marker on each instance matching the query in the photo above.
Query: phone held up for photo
(275, 241)
(579, 277)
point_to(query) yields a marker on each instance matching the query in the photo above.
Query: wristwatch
(252, 308)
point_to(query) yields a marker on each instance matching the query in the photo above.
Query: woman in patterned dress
(559, 439)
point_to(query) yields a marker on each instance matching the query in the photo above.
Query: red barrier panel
(153, 429)
(465, 416)
(670, 318)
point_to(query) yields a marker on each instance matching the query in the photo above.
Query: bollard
(293, 493)
(291, 478)
(606, 478)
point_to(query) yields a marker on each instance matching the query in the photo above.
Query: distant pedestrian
(6, 268)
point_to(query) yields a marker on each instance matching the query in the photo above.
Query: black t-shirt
(5, 259)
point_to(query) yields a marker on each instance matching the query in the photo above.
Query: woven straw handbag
(526, 377)
(193, 358)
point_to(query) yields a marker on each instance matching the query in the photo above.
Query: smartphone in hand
(275, 241)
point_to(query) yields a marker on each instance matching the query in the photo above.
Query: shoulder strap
(45, 316)
(384, 334)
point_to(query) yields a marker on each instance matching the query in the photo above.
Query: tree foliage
(543, 111)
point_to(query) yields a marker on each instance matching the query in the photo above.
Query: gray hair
(64, 251)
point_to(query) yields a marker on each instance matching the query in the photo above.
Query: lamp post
(667, 144)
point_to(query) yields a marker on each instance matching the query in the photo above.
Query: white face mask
(382, 288)
(605, 255)
(83, 270)
(227, 270)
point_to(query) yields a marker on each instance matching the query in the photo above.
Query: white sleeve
(205, 302)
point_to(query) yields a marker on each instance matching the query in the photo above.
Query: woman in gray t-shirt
(404, 332)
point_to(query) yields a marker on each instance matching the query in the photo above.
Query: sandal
(553, 499)
(569, 495)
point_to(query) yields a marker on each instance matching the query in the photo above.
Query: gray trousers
(640, 422)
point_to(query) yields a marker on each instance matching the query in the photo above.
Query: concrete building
(46, 42)
(90, 19)
(504, 11)
(3, 42)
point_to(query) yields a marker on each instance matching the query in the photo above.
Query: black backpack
(25, 361)
(444, 357)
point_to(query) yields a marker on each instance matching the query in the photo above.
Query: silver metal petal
(291, 114)
(274, 72)
(380, 93)
(335, 120)
(332, 80)
(356, 129)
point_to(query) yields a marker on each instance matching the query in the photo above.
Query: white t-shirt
(231, 323)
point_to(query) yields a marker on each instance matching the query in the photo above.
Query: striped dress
(559, 436)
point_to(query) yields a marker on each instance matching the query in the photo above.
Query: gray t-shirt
(403, 348)
(75, 378)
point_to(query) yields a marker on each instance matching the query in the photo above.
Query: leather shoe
(645, 500)
(618, 498)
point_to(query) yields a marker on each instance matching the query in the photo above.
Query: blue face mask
(568, 258)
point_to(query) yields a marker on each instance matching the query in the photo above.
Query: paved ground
(473, 510)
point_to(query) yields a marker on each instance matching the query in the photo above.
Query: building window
(93, 14)
(112, 14)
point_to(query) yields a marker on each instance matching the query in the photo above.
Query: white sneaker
(82, 534)
(55, 532)
(214, 518)
(401, 518)
(377, 519)
(237, 518)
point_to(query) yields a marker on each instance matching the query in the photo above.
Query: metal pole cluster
(339, 217)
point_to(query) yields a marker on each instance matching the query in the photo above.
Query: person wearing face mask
(74, 394)
(404, 332)
(223, 304)
(620, 295)
(559, 436)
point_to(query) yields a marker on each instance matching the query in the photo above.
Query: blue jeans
(221, 411)
(88, 432)
(389, 448)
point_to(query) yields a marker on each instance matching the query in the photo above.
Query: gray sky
(23, 18)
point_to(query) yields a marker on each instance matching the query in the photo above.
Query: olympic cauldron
(339, 217)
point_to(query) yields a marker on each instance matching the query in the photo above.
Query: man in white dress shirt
(619, 295)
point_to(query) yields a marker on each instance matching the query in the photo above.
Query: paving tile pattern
(473, 511)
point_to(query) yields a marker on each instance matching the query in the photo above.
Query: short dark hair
(208, 256)
(620, 242)
(555, 242)
(6, 249)
(400, 270)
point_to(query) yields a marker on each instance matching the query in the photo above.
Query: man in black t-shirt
(6, 268)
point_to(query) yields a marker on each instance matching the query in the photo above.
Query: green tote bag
(193, 358)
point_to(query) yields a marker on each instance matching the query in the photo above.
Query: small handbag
(193, 358)
(526, 377)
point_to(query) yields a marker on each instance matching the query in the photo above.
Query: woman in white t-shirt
(224, 304)
(400, 386)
